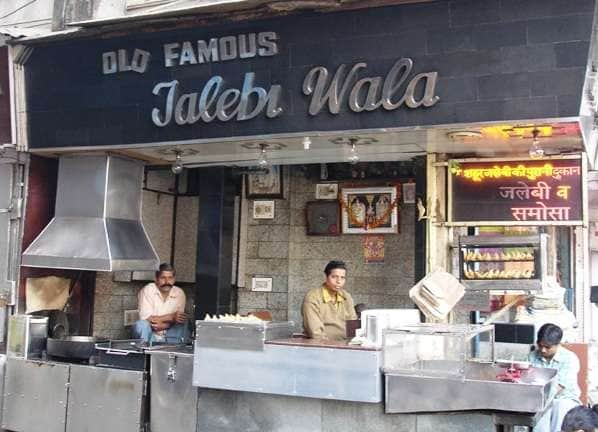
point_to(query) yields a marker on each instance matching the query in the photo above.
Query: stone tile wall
(113, 298)
(281, 249)
(116, 293)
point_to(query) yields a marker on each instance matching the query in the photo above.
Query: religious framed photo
(371, 210)
(268, 185)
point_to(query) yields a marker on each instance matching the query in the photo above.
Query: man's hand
(159, 326)
(180, 317)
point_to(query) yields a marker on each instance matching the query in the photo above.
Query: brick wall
(281, 249)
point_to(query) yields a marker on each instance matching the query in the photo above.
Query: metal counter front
(41, 396)
(35, 396)
(173, 399)
(478, 390)
(293, 367)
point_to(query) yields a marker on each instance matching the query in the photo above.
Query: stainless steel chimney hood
(97, 223)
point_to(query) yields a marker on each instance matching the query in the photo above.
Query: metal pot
(73, 347)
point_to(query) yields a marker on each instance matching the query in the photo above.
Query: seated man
(550, 354)
(327, 307)
(161, 307)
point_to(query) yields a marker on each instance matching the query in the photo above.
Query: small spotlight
(353, 157)
(306, 143)
(177, 166)
(263, 159)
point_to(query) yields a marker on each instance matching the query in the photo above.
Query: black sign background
(481, 201)
(71, 103)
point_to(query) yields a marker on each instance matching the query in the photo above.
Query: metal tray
(123, 354)
(243, 336)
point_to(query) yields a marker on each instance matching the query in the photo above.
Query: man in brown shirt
(326, 308)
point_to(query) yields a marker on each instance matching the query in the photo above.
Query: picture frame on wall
(327, 191)
(323, 218)
(261, 284)
(263, 209)
(268, 185)
(371, 210)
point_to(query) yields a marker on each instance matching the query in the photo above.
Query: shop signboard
(519, 192)
(392, 67)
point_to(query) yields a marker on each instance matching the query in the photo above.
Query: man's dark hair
(550, 334)
(335, 264)
(581, 418)
(165, 267)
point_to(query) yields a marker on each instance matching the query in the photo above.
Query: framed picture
(263, 284)
(409, 193)
(371, 210)
(327, 191)
(263, 209)
(322, 218)
(265, 185)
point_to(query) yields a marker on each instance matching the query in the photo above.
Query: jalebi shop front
(406, 140)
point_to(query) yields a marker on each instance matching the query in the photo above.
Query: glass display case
(437, 350)
(439, 367)
(502, 262)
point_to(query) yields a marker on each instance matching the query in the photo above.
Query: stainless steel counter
(173, 399)
(294, 368)
(479, 390)
(43, 396)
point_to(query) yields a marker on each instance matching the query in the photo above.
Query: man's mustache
(166, 285)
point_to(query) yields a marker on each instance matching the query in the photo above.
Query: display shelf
(502, 284)
(506, 262)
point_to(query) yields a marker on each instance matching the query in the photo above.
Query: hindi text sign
(529, 192)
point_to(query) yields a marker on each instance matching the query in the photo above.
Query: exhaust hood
(97, 223)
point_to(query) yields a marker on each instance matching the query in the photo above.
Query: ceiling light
(263, 158)
(353, 156)
(306, 143)
(536, 152)
(177, 166)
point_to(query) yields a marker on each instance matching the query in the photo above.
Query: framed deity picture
(371, 210)
(265, 185)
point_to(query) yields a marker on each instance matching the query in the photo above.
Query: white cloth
(552, 420)
(50, 292)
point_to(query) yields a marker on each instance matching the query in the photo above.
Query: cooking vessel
(73, 347)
